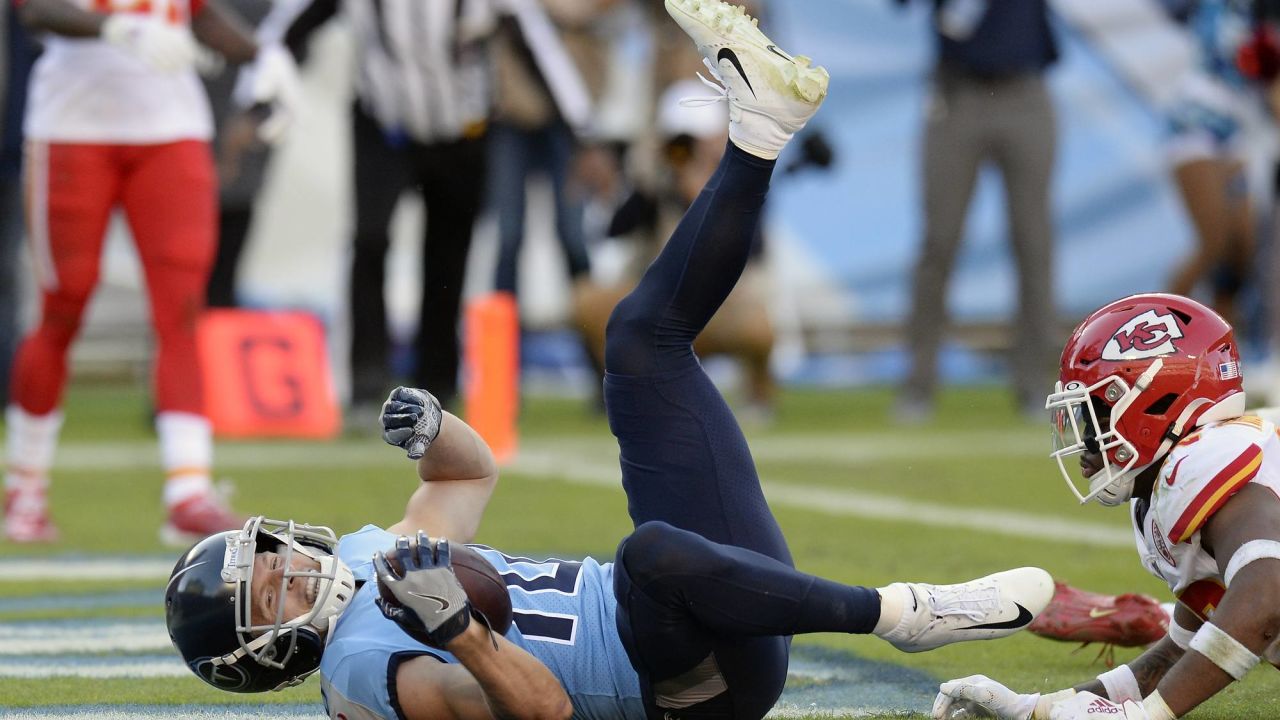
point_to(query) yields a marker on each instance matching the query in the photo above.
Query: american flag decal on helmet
(1229, 370)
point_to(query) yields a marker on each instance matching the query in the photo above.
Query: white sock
(770, 153)
(893, 602)
(186, 453)
(30, 445)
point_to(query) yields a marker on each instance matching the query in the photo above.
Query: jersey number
(544, 576)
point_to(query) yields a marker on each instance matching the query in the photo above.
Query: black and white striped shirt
(422, 65)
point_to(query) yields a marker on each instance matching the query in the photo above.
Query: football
(484, 586)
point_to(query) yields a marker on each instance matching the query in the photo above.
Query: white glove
(271, 81)
(1086, 706)
(996, 699)
(164, 47)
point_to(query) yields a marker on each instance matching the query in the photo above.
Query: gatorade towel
(266, 374)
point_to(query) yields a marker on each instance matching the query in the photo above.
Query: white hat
(704, 121)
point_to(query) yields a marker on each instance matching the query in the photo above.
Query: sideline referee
(420, 115)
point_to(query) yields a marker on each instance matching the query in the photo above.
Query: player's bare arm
(1148, 669)
(418, 590)
(1250, 610)
(501, 682)
(457, 469)
(61, 17)
(225, 32)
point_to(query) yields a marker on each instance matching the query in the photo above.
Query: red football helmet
(1136, 376)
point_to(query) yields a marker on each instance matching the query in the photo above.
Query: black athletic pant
(707, 592)
(233, 230)
(450, 176)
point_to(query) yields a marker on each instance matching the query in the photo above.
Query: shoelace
(722, 91)
(974, 605)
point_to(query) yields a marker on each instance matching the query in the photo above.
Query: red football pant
(168, 193)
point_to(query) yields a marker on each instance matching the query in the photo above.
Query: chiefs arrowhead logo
(1148, 335)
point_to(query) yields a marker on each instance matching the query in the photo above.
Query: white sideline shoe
(771, 94)
(989, 607)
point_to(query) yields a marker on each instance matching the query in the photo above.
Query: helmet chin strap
(1119, 490)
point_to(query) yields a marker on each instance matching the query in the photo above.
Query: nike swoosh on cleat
(776, 51)
(444, 604)
(732, 57)
(1100, 613)
(1024, 617)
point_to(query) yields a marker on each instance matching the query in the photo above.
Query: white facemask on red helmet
(1159, 366)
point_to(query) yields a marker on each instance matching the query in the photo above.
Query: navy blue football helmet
(209, 615)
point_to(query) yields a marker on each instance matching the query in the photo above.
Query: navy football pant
(707, 574)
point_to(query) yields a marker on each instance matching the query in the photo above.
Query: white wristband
(1223, 650)
(1179, 635)
(1249, 552)
(1121, 684)
(1157, 708)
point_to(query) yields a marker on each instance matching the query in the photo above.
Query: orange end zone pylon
(491, 381)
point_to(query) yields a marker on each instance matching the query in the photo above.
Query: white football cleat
(989, 607)
(771, 94)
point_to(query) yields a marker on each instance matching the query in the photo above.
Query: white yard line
(855, 503)
(79, 667)
(88, 569)
(82, 637)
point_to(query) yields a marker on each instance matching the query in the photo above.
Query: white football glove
(164, 47)
(271, 81)
(1086, 706)
(996, 699)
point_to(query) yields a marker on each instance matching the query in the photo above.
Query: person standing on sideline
(549, 61)
(240, 152)
(419, 122)
(989, 104)
(116, 117)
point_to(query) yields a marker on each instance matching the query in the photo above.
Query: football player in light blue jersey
(692, 619)
(559, 609)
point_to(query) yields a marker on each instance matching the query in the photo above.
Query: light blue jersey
(563, 615)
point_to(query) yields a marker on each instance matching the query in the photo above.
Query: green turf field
(860, 500)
